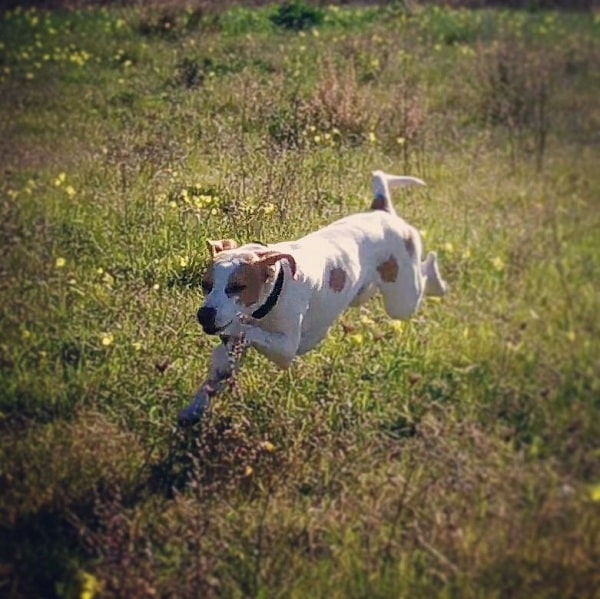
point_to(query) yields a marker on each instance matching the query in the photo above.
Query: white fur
(307, 305)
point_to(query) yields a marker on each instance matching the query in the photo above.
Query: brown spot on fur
(337, 279)
(250, 276)
(409, 244)
(388, 270)
(248, 280)
(379, 203)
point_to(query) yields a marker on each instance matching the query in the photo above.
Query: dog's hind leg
(403, 294)
(434, 286)
(403, 289)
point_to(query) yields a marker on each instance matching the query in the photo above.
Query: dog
(282, 298)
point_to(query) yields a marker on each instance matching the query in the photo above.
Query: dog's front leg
(281, 347)
(221, 371)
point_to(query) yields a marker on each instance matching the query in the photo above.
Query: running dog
(282, 298)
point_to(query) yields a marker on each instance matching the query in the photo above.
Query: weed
(405, 124)
(168, 23)
(516, 92)
(340, 104)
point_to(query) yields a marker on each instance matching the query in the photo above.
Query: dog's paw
(196, 410)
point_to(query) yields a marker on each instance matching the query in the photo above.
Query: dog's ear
(270, 258)
(218, 245)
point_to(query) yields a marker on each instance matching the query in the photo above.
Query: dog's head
(238, 281)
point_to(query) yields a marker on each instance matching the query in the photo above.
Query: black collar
(272, 299)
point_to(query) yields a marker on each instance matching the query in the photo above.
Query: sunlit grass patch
(455, 453)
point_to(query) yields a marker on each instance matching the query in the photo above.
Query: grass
(455, 455)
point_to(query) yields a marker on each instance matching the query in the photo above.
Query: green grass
(455, 455)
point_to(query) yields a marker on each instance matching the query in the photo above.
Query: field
(454, 455)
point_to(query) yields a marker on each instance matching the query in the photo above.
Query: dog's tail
(382, 183)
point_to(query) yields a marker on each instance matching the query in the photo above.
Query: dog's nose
(206, 317)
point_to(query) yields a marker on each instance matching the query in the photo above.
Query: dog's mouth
(213, 329)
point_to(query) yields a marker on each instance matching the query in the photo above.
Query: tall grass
(452, 455)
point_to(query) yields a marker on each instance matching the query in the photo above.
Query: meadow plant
(516, 87)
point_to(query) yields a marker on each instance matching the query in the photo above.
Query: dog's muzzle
(206, 318)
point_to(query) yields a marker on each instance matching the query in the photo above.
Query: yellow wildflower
(62, 177)
(267, 446)
(107, 339)
(90, 586)
(357, 338)
(60, 262)
(498, 263)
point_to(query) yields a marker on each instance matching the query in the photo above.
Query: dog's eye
(206, 287)
(235, 288)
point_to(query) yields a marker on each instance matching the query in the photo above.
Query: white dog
(282, 298)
